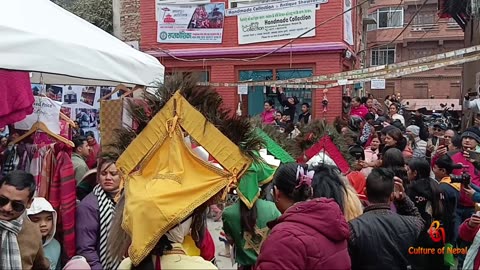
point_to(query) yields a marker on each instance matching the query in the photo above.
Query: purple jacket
(88, 231)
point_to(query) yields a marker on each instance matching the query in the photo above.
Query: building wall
(321, 62)
(328, 33)
(424, 37)
(129, 20)
(325, 63)
(470, 70)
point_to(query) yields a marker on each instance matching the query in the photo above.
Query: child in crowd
(305, 117)
(42, 213)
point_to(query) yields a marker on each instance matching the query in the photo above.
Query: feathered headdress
(321, 136)
(165, 181)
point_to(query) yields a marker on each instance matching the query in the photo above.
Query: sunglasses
(437, 129)
(16, 206)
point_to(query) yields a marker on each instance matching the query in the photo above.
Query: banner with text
(274, 25)
(246, 8)
(190, 23)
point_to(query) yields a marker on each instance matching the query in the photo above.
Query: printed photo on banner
(105, 91)
(190, 23)
(36, 89)
(70, 97)
(54, 92)
(121, 92)
(274, 25)
(88, 95)
(87, 118)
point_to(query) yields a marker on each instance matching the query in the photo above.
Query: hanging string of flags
(367, 74)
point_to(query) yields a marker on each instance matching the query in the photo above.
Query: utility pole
(116, 10)
(366, 20)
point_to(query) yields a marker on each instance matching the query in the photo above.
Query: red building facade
(324, 53)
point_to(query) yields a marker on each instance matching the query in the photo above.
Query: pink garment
(464, 199)
(359, 111)
(370, 156)
(268, 118)
(92, 158)
(16, 96)
(65, 130)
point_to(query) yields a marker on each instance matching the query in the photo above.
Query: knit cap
(415, 130)
(472, 132)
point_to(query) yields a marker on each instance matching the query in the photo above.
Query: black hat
(398, 124)
(422, 110)
(472, 132)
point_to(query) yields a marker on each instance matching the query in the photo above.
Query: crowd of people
(286, 120)
(407, 202)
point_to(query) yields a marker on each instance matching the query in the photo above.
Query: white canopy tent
(61, 48)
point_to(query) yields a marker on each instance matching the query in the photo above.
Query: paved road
(223, 263)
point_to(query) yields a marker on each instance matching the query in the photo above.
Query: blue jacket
(476, 195)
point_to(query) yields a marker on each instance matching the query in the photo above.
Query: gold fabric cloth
(165, 181)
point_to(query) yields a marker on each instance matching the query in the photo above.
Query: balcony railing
(425, 27)
(453, 26)
(442, 30)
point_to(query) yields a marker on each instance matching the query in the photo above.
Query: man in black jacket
(442, 169)
(380, 238)
(289, 104)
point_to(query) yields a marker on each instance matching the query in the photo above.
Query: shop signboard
(347, 22)
(248, 8)
(274, 25)
(191, 23)
(377, 84)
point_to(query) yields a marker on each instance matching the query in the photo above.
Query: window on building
(421, 90)
(203, 75)
(424, 18)
(382, 56)
(256, 94)
(452, 24)
(391, 17)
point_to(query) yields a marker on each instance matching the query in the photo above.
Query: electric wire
(401, 32)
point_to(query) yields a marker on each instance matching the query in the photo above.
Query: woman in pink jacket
(358, 108)
(268, 115)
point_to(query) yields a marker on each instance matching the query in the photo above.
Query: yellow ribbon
(171, 124)
(232, 183)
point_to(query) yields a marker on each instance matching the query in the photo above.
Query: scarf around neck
(472, 252)
(106, 207)
(448, 180)
(10, 257)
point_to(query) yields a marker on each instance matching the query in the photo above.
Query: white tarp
(61, 48)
